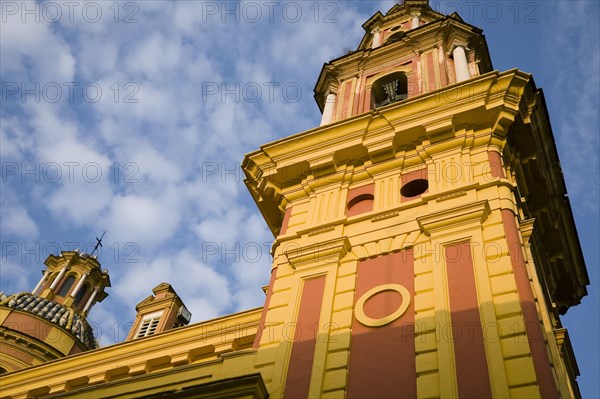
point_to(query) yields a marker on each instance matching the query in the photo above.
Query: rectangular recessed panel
(469, 350)
(382, 358)
(300, 368)
(543, 368)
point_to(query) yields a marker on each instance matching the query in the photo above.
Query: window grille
(148, 325)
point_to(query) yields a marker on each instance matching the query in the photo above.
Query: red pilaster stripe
(541, 363)
(286, 221)
(382, 359)
(263, 316)
(443, 74)
(358, 95)
(300, 367)
(413, 79)
(496, 164)
(346, 103)
(367, 101)
(431, 72)
(472, 374)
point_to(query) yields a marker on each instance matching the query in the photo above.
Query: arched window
(81, 294)
(64, 290)
(389, 89)
(359, 204)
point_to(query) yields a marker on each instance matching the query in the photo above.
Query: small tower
(50, 322)
(75, 281)
(159, 312)
(410, 51)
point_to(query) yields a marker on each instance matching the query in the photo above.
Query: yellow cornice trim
(174, 343)
(490, 90)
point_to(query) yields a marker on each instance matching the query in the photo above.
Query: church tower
(50, 322)
(425, 245)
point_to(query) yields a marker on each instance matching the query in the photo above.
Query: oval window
(414, 188)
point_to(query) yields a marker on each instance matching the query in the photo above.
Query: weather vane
(98, 243)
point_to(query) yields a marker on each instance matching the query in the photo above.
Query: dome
(54, 313)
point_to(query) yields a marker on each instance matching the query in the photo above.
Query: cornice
(177, 347)
(490, 90)
(491, 100)
(35, 347)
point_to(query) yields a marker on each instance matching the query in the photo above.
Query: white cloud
(145, 220)
(98, 57)
(15, 216)
(154, 57)
(15, 142)
(204, 291)
(35, 45)
(15, 275)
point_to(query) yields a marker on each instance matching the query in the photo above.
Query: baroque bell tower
(425, 245)
(50, 322)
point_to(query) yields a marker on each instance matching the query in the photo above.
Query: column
(461, 68)
(376, 38)
(41, 283)
(91, 300)
(328, 110)
(415, 20)
(59, 277)
(79, 284)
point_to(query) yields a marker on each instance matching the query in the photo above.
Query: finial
(98, 243)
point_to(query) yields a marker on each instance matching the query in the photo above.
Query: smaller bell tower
(74, 280)
(410, 51)
(50, 322)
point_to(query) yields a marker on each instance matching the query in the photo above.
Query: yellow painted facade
(456, 164)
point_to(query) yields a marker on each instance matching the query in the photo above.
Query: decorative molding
(359, 310)
(385, 246)
(451, 196)
(320, 252)
(438, 221)
(321, 230)
(526, 227)
(384, 216)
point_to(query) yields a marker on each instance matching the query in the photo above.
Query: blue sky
(133, 118)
